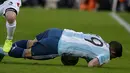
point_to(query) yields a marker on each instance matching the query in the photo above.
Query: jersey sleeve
(103, 59)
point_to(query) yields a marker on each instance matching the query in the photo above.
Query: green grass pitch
(33, 21)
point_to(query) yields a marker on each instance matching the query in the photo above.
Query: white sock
(10, 30)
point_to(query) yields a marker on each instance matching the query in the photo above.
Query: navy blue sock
(1, 51)
(16, 52)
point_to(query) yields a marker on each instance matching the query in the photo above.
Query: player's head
(115, 49)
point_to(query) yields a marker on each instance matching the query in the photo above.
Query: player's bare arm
(27, 52)
(94, 63)
(30, 43)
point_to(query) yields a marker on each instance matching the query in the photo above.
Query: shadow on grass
(117, 68)
(82, 66)
(39, 64)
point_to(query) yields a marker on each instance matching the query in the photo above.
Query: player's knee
(10, 16)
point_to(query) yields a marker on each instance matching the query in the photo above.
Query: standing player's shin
(10, 17)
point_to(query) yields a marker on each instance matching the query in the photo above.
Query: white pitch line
(121, 21)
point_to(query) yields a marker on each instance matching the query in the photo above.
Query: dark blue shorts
(47, 45)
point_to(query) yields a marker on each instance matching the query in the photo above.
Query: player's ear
(113, 52)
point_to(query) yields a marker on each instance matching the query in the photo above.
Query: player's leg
(1, 53)
(47, 44)
(10, 17)
(10, 11)
(37, 52)
(18, 49)
(52, 32)
(45, 49)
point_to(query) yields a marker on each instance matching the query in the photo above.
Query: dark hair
(117, 47)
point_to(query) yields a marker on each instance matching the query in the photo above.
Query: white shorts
(15, 4)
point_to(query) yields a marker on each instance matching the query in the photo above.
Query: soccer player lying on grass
(56, 42)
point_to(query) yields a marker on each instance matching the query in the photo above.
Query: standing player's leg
(1, 54)
(10, 8)
(10, 11)
(10, 17)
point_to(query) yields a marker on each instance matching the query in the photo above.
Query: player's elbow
(94, 63)
(90, 64)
